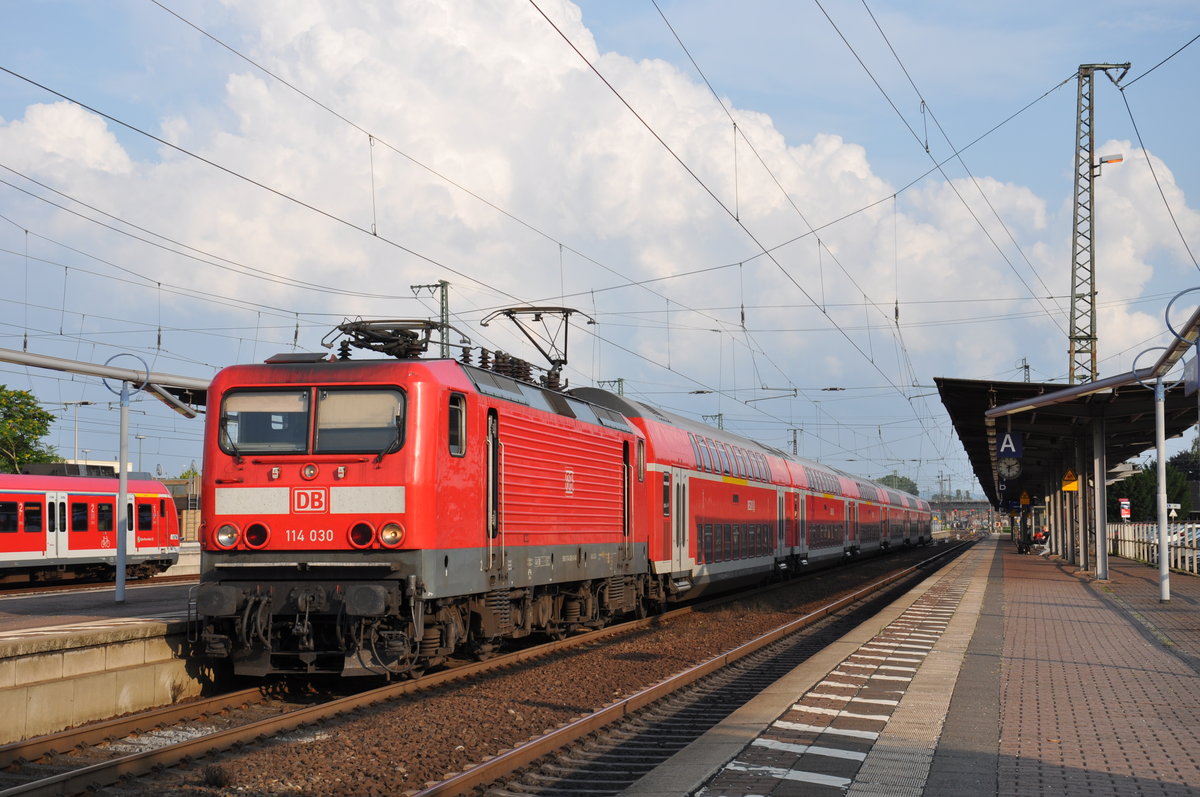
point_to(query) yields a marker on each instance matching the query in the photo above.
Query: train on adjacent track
(377, 516)
(56, 528)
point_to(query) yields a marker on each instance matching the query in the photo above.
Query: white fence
(1139, 541)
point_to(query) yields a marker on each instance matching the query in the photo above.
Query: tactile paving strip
(871, 726)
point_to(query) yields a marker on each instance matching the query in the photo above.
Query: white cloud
(59, 138)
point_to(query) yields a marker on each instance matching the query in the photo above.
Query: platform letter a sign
(1009, 445)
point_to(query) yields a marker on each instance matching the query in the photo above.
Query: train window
(104, 517)
(33, 517)
(720, 457)
(458, 424)
(739, 458)
(145, 517)
(264, 422)
(359, 421)
(641, 460)
(696, 451)
(707, 453)
(79, 516)
(666, 495)
(8, 516)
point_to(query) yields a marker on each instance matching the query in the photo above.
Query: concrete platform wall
(52, 682)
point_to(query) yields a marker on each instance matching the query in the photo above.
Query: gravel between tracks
(399, 747)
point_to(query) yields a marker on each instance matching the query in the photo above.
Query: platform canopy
(1044, 420)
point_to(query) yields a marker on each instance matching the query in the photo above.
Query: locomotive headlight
(391, 535)
(309, 471)
(227, 536)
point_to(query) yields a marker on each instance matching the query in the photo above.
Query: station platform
(1002, 674)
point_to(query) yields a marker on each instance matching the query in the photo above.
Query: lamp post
(77, 405)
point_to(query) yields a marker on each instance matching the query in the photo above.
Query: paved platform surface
(1002, 674)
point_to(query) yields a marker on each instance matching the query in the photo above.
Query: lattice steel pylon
(1082, 336)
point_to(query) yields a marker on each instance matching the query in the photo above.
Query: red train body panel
(377, 516)
(61, 527)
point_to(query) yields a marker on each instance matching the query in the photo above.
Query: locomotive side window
(458, 424)
(8, 516)
(264, 422)
(359, 421)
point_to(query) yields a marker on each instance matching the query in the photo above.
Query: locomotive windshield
(359, 421)
(348, 421)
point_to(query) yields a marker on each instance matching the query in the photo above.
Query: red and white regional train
(377, 516)
(64, 527)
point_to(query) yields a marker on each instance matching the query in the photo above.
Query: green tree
(898, 482)
(23, 424)
(1141, 488)
(1188, 460)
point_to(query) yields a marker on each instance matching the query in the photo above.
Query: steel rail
(98, 732)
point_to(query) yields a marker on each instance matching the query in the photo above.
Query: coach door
(56, 524)
(679, 555)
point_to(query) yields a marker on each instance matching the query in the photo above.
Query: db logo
(310, 499)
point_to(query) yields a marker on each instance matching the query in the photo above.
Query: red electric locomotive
(376, 516)
(65, 527)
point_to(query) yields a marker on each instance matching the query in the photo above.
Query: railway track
(94, 758)
(51, 588)
(612, 748)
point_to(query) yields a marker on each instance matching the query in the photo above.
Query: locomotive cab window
(359, 421)
(264, 422)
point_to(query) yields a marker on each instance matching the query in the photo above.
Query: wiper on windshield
(237, 455)
(393, 444)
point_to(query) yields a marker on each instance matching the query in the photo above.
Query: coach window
(707, 454)
(264, 422)
(724, 457)
(104, 517)
(458, 424)
(666, 484)
(359, 421)
(696, 451)
(742, 470)
(145, 517)
(79, 516)
(33, 517)
(8, 516)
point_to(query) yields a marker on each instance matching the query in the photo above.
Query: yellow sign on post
(1070, 482)
(1025, 498)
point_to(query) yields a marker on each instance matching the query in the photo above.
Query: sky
(784, 217)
